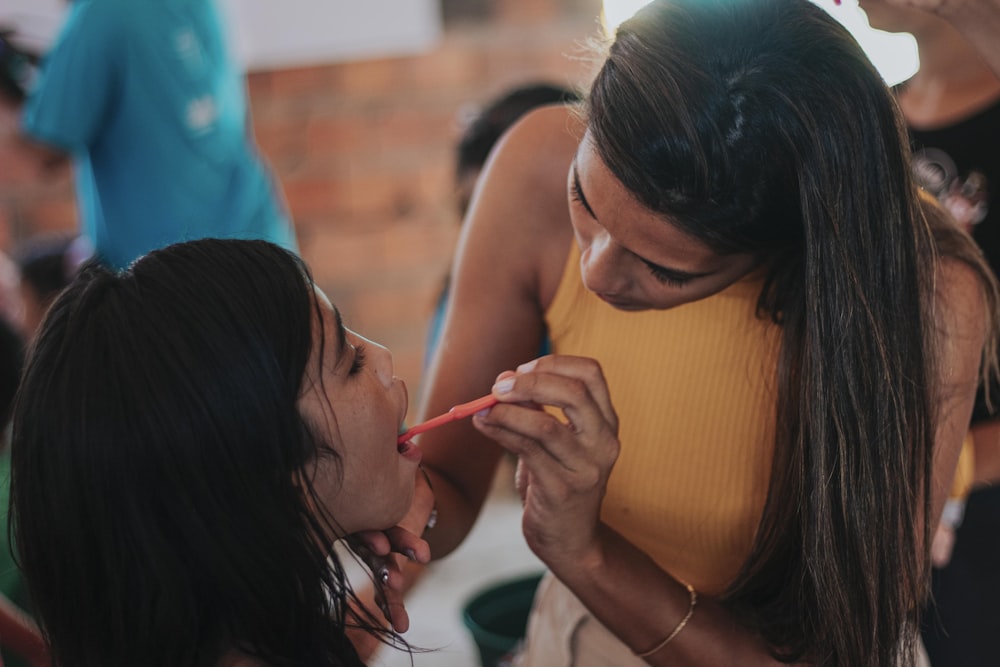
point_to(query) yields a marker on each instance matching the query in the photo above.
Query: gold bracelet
(677, 630)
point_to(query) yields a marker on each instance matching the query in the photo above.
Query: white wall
(270, 34)
(895, 55)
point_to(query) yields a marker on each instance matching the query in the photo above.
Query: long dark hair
(759, 126)
(159, 503)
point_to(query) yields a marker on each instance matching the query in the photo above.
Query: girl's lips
(409, 451)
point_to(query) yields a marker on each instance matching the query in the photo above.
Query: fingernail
(482, 413)
(503, 386)
(411, 554)
(528, 366)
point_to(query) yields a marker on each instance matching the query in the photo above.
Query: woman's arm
(510, 257)
(977, 20)
(564, 470)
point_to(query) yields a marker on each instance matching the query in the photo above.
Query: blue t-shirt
(145, 96)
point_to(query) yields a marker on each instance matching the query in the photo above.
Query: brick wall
(364, 152)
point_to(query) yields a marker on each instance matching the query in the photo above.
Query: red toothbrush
(458, 412)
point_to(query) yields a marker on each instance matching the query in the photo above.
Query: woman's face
(355, 403)
(632, 257)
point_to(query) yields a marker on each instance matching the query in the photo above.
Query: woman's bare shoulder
(531, 162)
(521, 207)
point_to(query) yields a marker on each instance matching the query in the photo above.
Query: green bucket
(497, 617)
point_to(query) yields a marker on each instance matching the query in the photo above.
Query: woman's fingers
(389, 589)
(563, 466)
(404, 542)
(383, 551)
(571, 457)
(584, 370)
(575, 385)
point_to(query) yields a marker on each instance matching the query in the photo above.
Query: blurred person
(20, 640)
(46, 264)
(484, 127)
(952, 107)
(145, 99)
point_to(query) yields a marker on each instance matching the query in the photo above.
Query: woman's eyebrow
(578, 191)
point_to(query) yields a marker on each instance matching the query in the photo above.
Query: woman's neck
(953, 82)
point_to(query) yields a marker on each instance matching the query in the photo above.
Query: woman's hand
(563, 466)
(386, 552)
(948, 9)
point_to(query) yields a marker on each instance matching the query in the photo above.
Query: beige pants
(562, 633)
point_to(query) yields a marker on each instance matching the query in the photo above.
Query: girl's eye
(574, 194)
(359, 360)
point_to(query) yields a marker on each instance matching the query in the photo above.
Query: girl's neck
(953, 82)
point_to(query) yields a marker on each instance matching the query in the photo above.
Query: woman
(791, 352)
(191, 438)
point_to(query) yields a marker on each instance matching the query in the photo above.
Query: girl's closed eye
(359, 360)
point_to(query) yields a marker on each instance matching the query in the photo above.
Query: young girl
(191, 438)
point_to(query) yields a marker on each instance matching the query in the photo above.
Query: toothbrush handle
(458, 412)
(472, 407)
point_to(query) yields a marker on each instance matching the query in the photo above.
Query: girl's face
(632, 257)
(355, 403)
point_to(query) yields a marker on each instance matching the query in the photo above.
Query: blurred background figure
(146, 100)
(21, 643)
(484, 127)
(952, 108)
(47, 263)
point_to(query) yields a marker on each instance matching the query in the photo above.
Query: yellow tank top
(694, 389)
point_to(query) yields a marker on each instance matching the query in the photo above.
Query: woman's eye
(664, 276)
(359, 360)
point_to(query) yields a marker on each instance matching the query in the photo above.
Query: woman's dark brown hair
(759, 126)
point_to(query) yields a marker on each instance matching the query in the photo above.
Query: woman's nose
(601, 266)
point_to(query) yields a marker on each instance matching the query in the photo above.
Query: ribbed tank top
(694, 389)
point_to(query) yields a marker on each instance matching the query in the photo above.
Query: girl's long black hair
(160, 499)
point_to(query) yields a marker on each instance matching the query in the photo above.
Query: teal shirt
(145, 96)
